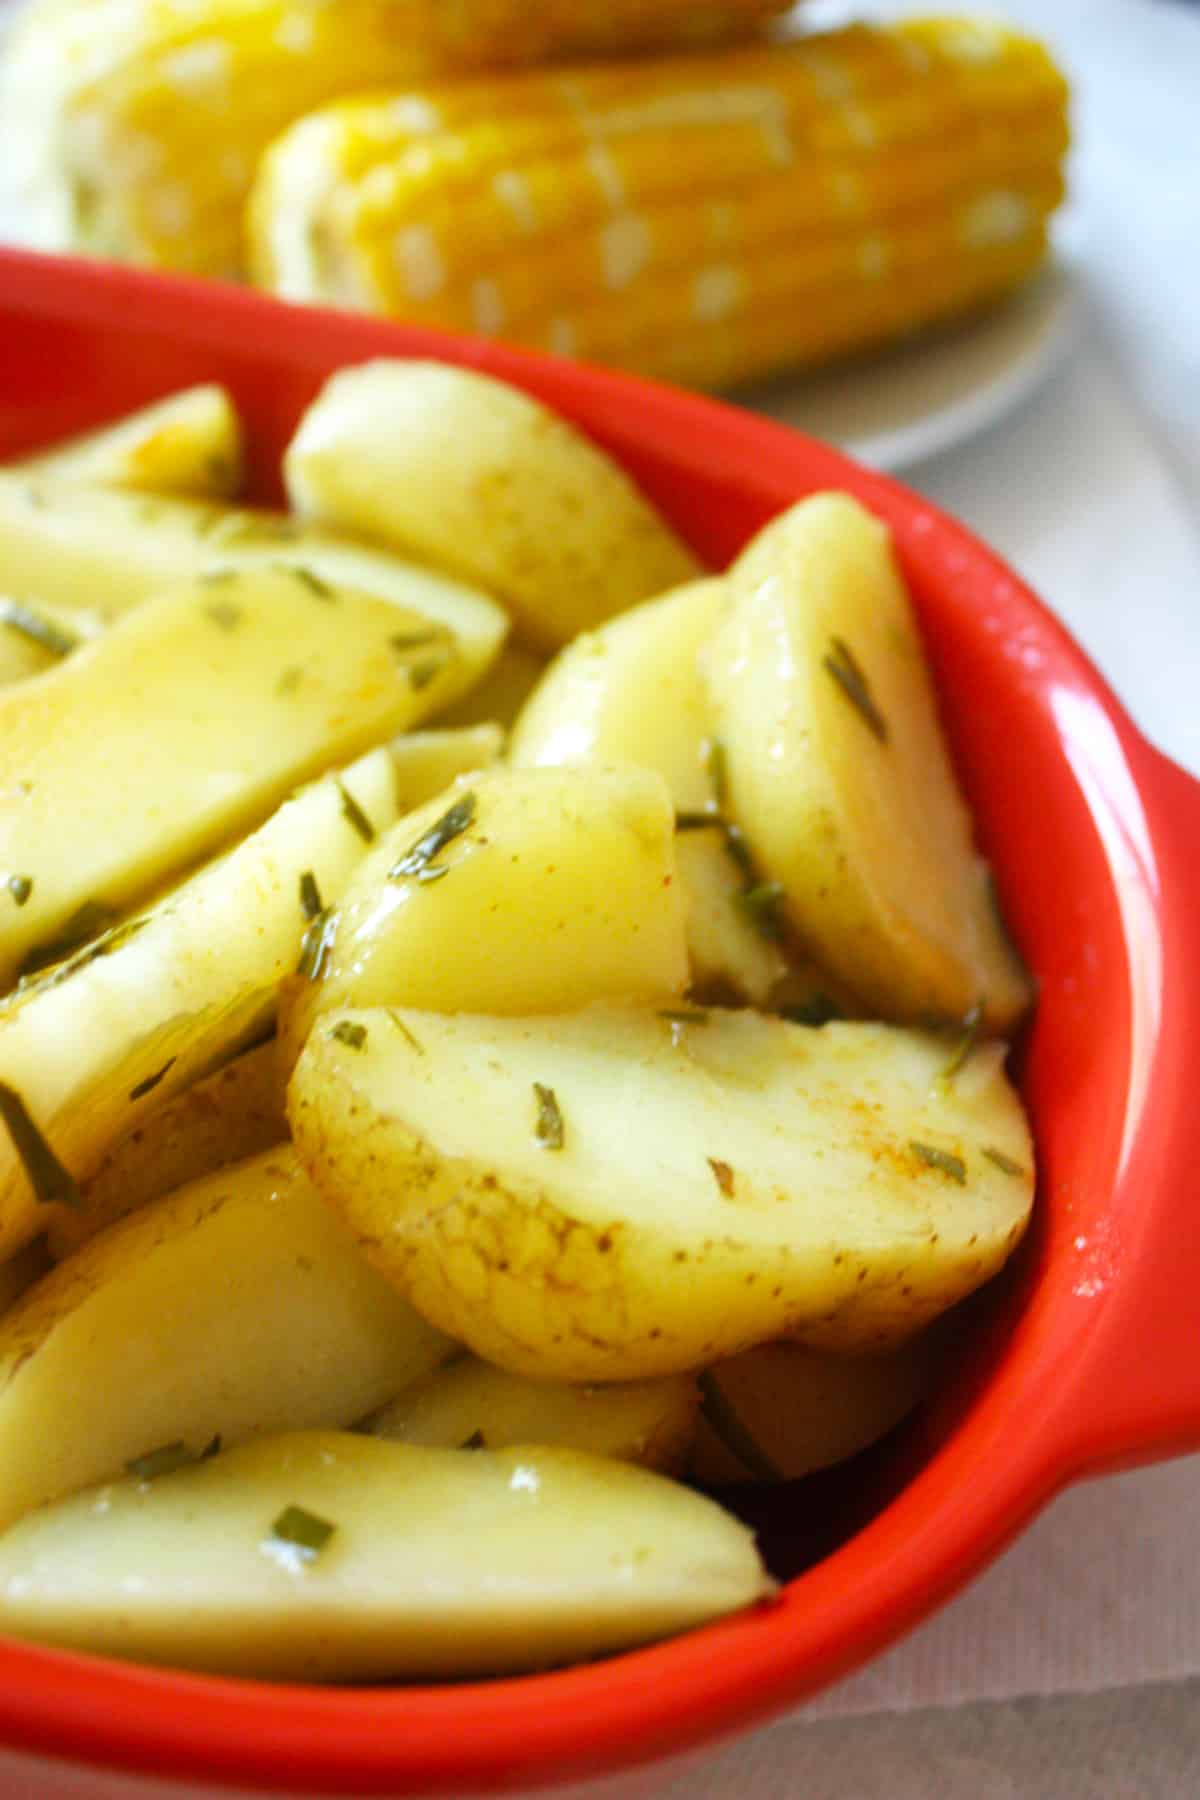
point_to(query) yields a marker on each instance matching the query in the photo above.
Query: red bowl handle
(1134, 1393)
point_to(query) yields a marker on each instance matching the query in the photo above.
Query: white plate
(904, 404)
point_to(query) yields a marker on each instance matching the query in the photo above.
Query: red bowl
(1088, 1360)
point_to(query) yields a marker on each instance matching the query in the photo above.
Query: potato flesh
(189, 444)
(69, 545)
(183, 993)
(256, 683)
(442, 1563)
(501, 694)
(235, 1113)
(634, 692)
(469, 1403)
(799, 1410)
(870, 839)
(559, 891)
(426, 762)
(236, 1306)
(472, 476)
(719, 1184)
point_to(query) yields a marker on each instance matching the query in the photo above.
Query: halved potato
(238, 1305)
(780, 1411)
(249, 686)
(434, 1563)
(515, 891)
(34, 638)
(473, 1405)
(634, 692)
(471, 475)
(95, 1045)
(189, 443)
(68, 545)
(616, 1194)
(841, 779)
(236, 1112)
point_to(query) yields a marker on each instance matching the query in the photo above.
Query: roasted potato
(256, 683)
(617, 1194)
(238, 1305)
(472, 476)
(515, 891)
(432, 1563)
(839, 775)
(93, 1046)
(470, 1404)
(189, 444)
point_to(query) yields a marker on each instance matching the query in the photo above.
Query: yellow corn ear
(132, 128)
(710, 218)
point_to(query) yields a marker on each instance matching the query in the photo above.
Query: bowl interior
(1044, 755)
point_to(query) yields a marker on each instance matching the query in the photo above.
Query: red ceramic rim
(1093, 836)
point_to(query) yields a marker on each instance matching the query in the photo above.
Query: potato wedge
(440, 1562)
(841, 779)
(61, 544)
(781, 1411)
(93, 1047)
(255, 683)
(470, 1404)
(634, 692)
(613, 1194)
(189, 443)
(559, 889)
(234, 1113)
(236, 1306)
(471, 475)
(501, 694)
(35, 638)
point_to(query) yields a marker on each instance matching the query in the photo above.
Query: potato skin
(638, 1249)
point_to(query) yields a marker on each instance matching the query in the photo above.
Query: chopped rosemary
(310, 896)
(684, 1015)
(700, 821)
(90, 921)
(304, 1532)
(318, 942)
(1005, 1164)
(348, 1033)
(224, 614)
(312, 582)
(761, 906)
(452, 824)
(847, 671)
(405, 1033)
(416, 640)
(548, 1129)
(151, 1082)
(52, 1184)
(476, 1441)
(945, 1160)
(39, 630)
(972, 1022)
(733, 1434)
(738, 851)
(50, 973)
(818, 1009)
(354, 815)
(163, 1461)
(20, 887)
(421, 674)
(716, 764)
(724, 1175)
(211, 1449)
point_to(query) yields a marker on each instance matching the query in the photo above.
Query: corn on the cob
(131, 128)
(709, 218)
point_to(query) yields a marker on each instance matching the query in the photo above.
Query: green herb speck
(943, 1160)
(354, 815)
(1004, 1163)
(310, 896)
(151, 1082)
(548, 1127)
(845, 668)
(52, 1184)
(417, 860)
(305, 1532)
(163, 1461)
(20, 887)
(347, 1032)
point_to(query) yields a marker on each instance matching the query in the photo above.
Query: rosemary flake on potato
(37, 629)
(52, 1184)
(418, 860)
(847, 671)
(548, 1128)
(943, 1160)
